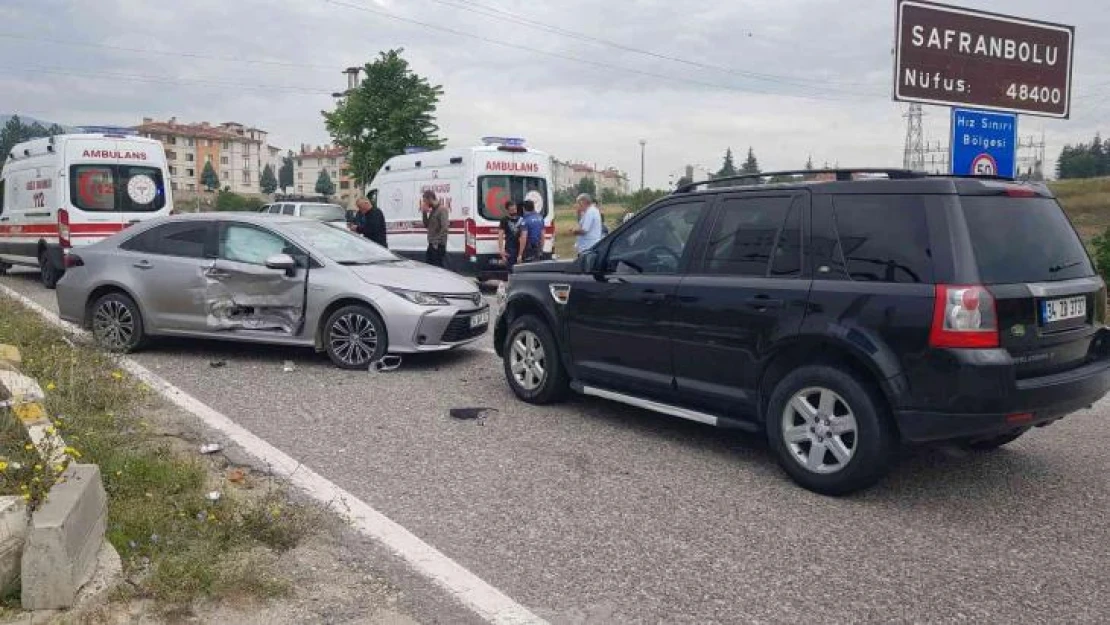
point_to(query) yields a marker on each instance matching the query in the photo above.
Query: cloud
(789, 78)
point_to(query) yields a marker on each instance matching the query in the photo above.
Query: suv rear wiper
(1059, 268)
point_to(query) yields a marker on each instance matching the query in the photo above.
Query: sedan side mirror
(282, 262)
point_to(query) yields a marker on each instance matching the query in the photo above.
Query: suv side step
(667, 409)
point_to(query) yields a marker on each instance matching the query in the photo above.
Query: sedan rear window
(1019, 240)
(324, 212)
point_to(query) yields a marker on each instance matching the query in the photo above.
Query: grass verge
(177, 544)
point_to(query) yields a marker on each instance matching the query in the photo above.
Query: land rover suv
(842, 316)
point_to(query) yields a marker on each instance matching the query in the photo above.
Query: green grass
(1087, 203)
(566, 218)
(176, 545)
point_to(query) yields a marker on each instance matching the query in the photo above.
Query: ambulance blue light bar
(414, 149)
(511, 142)
(107, 130)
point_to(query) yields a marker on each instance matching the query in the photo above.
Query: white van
(474, 183)
(68, 191)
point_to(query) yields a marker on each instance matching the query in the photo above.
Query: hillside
(1087, 203)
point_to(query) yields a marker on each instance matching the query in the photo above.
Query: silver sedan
(266, 279)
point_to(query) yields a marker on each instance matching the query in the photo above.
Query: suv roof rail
(978, 177)
(841, 174)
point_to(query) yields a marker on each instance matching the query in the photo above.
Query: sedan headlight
(418, 298)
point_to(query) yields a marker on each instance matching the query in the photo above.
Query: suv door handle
(652, 297)
(763, 302)
(143, 264)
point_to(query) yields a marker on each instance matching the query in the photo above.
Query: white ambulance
(72, 190)
(474, 183)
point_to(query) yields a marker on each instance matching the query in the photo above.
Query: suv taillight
(964, 316)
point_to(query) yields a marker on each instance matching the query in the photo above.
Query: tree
(285, 174)
(15, 131)
(809, 163)
(683, 181)
(587, 185)
(610, 196)
(208, 177)
(392, 109)
(55, 129)
(642, 198)
(324, 185)
(1098, 156)
(727, 169)
(269, 182)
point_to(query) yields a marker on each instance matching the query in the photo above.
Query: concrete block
(13, 533)
(64, 539)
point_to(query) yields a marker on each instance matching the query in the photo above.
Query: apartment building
(567, 175)
(237, 153)
(310, 161)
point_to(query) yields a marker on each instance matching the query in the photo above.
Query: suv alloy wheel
(532, 362)
(830, 430)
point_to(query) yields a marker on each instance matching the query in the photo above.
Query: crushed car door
(243, 295)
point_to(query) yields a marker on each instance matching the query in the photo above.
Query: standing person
(438, 222)
(508, 236)
(531, 233)
(370, 222)
(589, 230)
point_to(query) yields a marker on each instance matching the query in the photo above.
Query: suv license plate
(481, 319)
(1055, 310)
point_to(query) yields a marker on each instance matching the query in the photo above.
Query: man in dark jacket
(370, 222)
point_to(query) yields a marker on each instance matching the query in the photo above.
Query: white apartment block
(237, 153)
(310, 161)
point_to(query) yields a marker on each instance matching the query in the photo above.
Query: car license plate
(1055, 310)
(480, 319)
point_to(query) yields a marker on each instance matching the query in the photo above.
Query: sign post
(983, 143)
(953, 56)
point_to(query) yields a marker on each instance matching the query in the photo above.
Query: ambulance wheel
(48, 273)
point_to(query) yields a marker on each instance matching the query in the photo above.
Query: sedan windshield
(323, 212)
(339, 245)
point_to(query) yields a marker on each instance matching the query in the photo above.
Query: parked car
(332, 214)
(841, 318)
(266, 279)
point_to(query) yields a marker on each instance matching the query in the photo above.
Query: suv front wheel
(830, 431)
(532, 362)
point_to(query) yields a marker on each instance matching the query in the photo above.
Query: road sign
(984, 143)
(953, 56)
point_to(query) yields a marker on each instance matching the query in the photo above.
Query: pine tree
(809, 163)
(285, 174)
(1098, 156)
(269, 181)
(727, 169)
(208, 177)
(324, 185)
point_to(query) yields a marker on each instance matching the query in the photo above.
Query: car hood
(414, 276)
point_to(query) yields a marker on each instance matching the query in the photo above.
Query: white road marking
(483, 599)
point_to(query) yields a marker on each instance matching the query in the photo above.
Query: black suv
(842, 316)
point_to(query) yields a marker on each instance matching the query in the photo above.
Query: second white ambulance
(474, 183)
(67, 191)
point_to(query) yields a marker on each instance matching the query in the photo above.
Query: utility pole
(643, 148)
(914, 159)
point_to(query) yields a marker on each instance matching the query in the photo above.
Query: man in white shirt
(589, 230)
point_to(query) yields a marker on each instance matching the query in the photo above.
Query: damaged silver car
(266, 279)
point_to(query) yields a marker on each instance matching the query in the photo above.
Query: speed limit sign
(984, 165)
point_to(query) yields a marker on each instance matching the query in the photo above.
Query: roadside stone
(64, 540)
(13, 533)
(10, 354)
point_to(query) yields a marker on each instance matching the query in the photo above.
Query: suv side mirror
(282, 262)
(590, 262)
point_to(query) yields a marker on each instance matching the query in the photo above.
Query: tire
(117, 323)
(355, 337)
(48, 273)
(4, 267)
(844, 416)
(994, 442)
(533, 363)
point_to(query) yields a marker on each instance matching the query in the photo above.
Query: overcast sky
(790, 78)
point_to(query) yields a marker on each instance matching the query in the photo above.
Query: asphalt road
(592, 512)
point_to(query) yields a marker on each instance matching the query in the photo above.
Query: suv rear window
(1020, 240)
(117, 188)
(323, 212)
